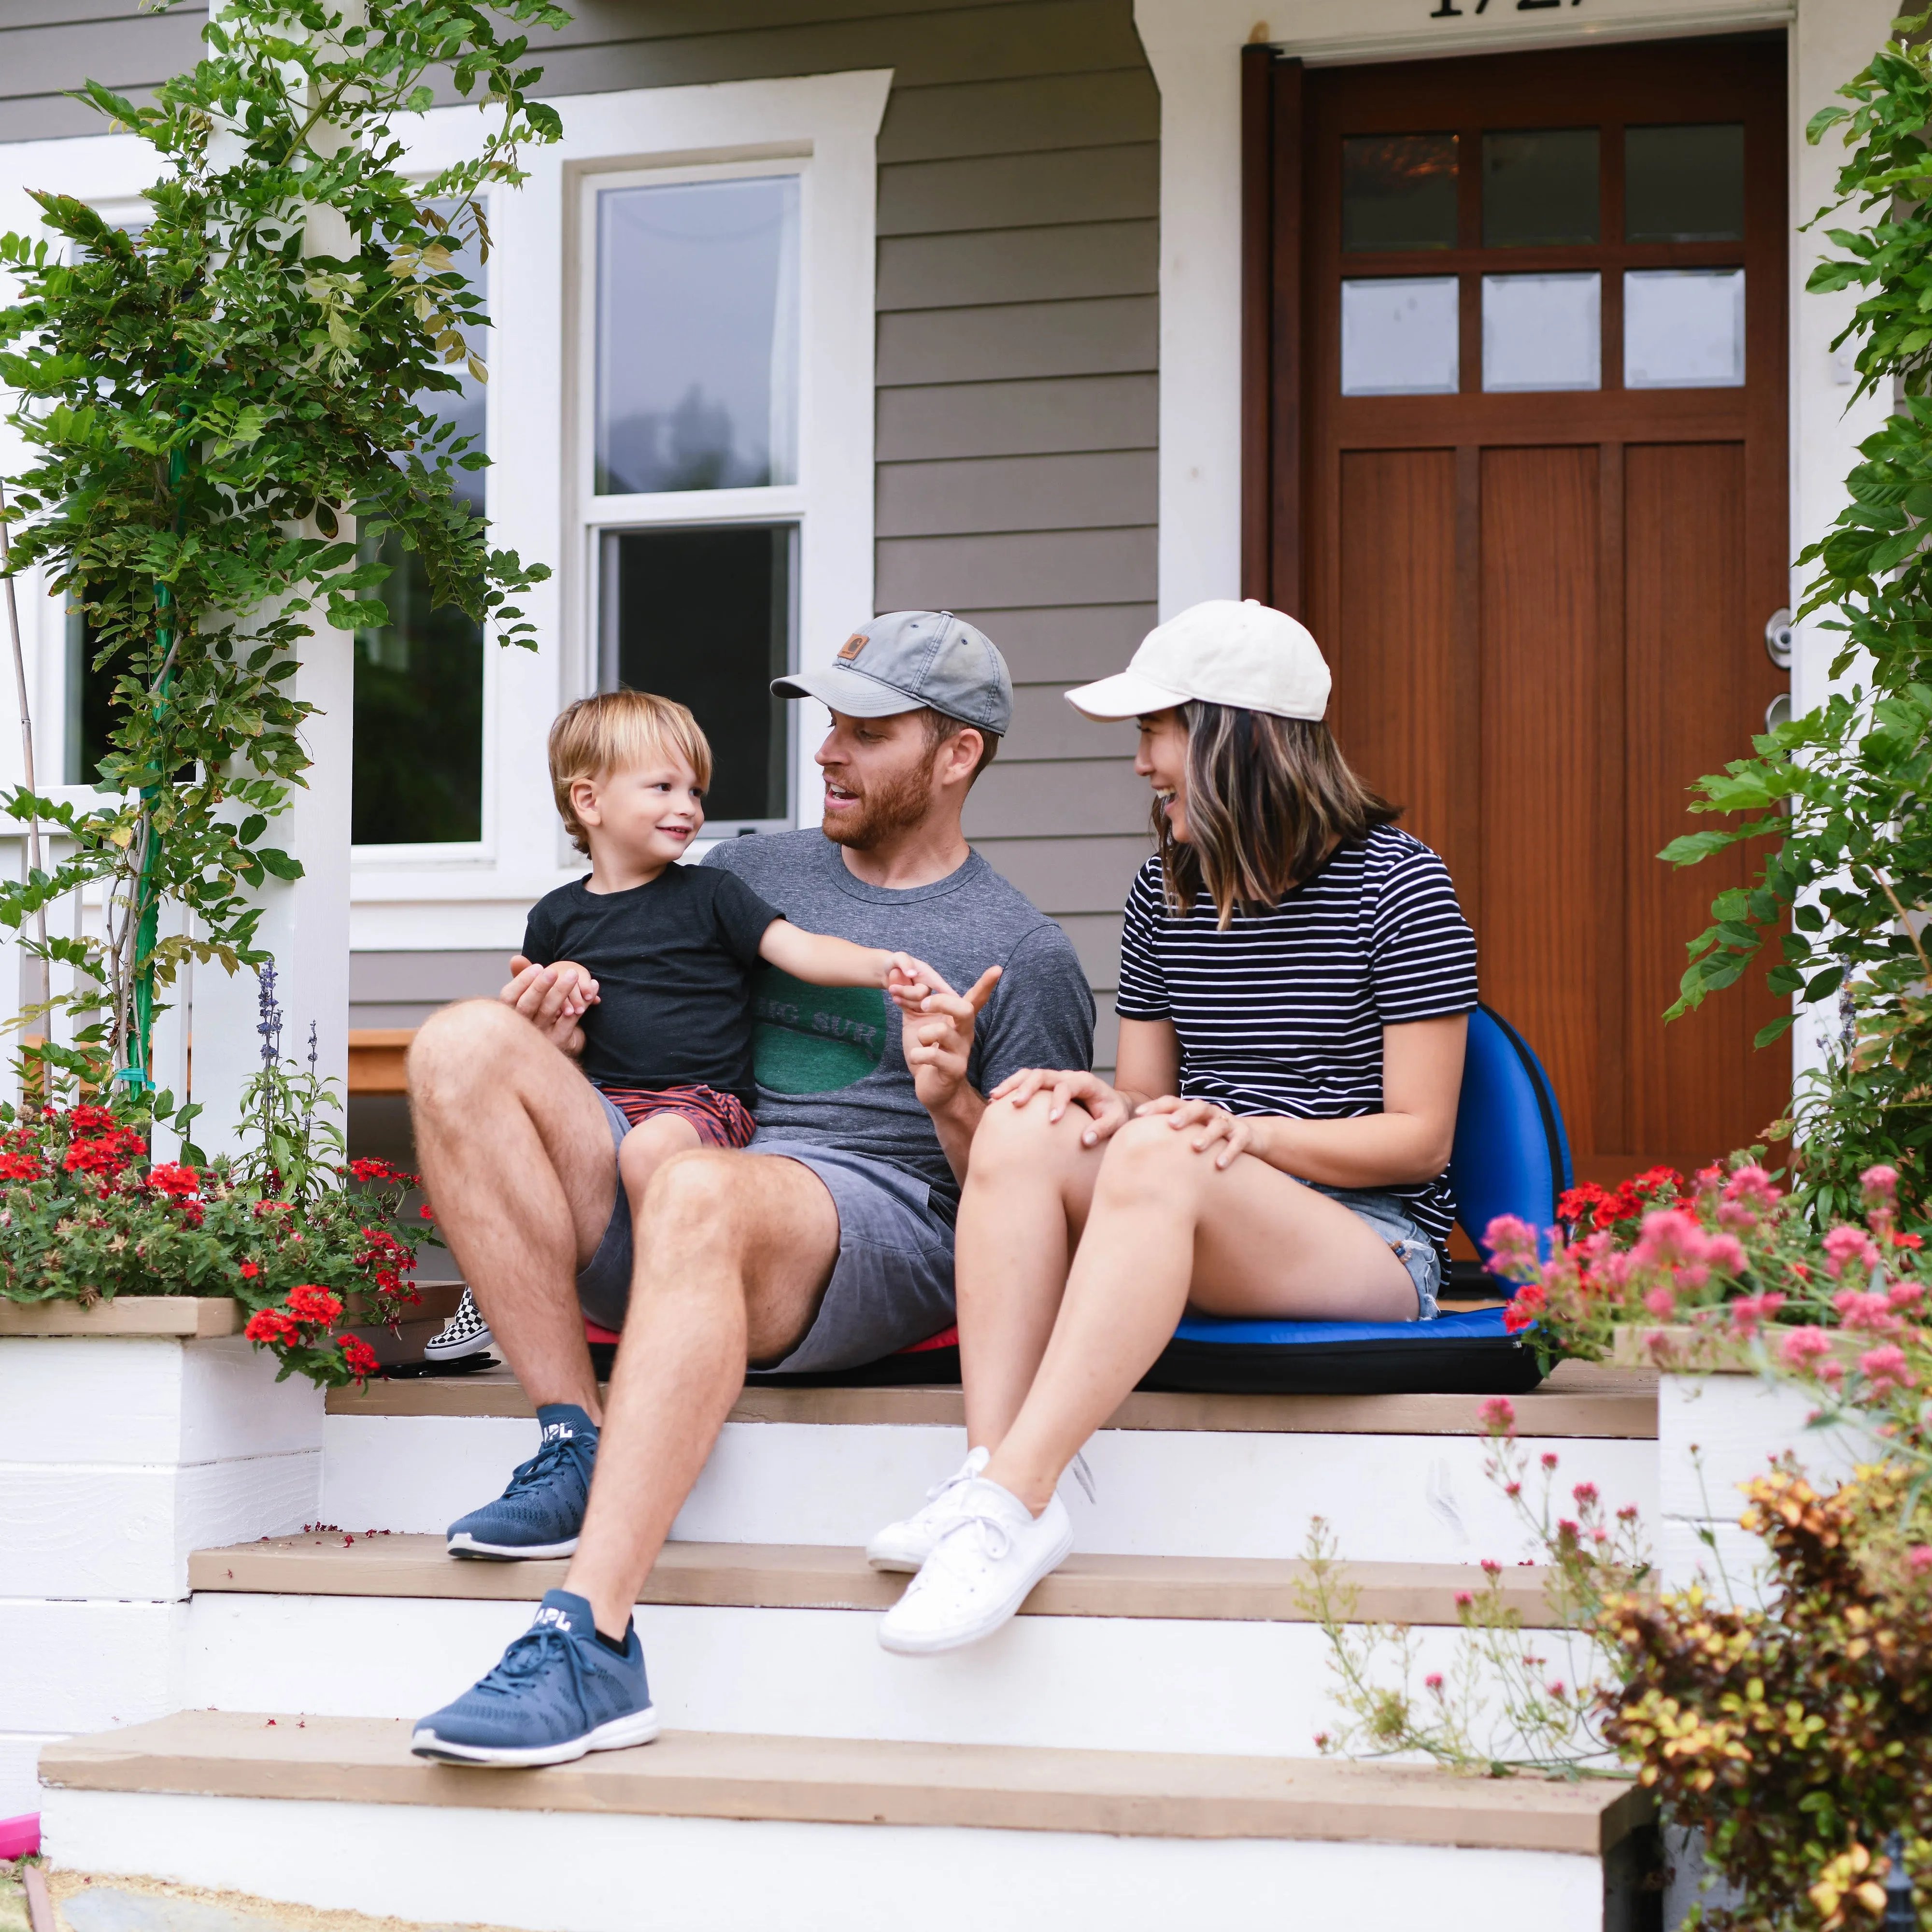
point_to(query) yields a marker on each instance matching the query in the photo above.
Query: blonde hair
(1268, 798)
(614, 731)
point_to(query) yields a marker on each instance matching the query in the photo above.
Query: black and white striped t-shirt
(1283, 1012)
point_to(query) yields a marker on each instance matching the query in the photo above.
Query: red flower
(175, 1180)
(88, 1119)
(371, 1169)
(359, 1356)
(249, 1270)
(427, 1212)
(308, 1303)
(19, 1167)
(105, 1155)
(275, 1326)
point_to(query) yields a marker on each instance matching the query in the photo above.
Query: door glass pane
(1684, 328)
(1398, 191)
(1399, 337)
(1684, 183)
(418, 775)
(698, 336)
(1539, 189)
(705, 616)
(1543, 332)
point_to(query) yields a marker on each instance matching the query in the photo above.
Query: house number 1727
(1448, 9)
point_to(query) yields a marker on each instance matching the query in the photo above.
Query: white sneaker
(987, 1559)
(466, 1333)
(905, 1545)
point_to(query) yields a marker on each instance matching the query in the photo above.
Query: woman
(1295, 979)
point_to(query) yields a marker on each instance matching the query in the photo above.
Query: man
(825, 1242)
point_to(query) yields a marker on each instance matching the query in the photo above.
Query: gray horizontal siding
(1070, 875)
(48, 50)
(1017, 418)
(1061, 110)
(1112, 335)
(1018, 265)
(1046, 727)
(403, 989)
(1066, 645)
(1006, 492)
(1056, 798)
(1037, 190)
(1083, 566)
(1096, 938)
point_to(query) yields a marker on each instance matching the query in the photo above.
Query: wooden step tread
(835, 1780)
(1581, 1399)
(349, 1563)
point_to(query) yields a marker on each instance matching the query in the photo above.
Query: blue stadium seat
(1511, 1156)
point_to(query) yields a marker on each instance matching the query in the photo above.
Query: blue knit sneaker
(559, 1691)
(541, 1512)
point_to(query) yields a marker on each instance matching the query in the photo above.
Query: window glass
(704, 616)
(1539, 189)
(1684, 328)
(1543, 332)
(1684, 183)
(418, 758)
(1398, 191)
(697, 336)
(88, 719)
(1399, 337)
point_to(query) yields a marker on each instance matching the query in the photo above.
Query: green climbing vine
(217, 402)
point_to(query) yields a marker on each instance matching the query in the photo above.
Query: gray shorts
(1411, 1246)
(891, 1286)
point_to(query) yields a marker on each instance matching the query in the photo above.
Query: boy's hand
(552, 998)
(937, 1036)
(908, 980)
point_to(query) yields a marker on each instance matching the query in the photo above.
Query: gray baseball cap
(906, 659)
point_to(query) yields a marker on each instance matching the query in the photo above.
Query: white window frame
(688, 509)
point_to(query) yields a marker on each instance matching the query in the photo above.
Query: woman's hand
(1068, 1087)
(1227, 1134)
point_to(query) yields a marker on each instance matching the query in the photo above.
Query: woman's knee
(1148, 1158)
(1014, 1141)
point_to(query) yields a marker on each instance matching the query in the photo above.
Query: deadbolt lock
(1777, 639)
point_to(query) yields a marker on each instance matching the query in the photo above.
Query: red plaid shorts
(719, 1120)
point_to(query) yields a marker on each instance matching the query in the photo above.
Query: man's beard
(896, 805)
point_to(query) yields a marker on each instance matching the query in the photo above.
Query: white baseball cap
(1218, 652)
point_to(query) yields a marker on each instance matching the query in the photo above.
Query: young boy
(656, 957)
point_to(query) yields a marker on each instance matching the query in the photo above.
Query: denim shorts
(891, 1286)
(1409, 1244)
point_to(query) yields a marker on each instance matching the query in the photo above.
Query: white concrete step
(1399, 1478)
(742, 1833)
(1111, 1653)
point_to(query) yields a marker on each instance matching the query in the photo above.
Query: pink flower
(1846, 1245)
(1512, 1245)
(1803, 1347)
(1491, 1567)
(1433, 1681)
(1752, 1187)
(1868, 1314)
(1464, 1599)
(1497, 1415)
(1880, 1183)
(1725, 1252)
(1549, 1458)
(1904, 1294)
(1884, 1369)
(1585, 1494)
(1556, 1689)
(1749, 1310)
(1661, 1300)
(1920, 1559)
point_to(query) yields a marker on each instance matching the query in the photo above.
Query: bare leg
(517, 1157)
(1025, 1202)
(646, 1148)
(740, 1247)
(1166, 1229)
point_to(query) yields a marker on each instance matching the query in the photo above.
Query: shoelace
(946, 1484)
(994, 1539)
(542, 1465)
(528, 1655)
(1084, 1476)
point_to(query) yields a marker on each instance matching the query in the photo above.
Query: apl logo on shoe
(559, 1431)
(551, 1617)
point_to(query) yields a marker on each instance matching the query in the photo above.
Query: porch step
(1150, 1654)
(730, 1830)
(1399, 1478)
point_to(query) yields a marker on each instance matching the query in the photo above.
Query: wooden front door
(1516, 455)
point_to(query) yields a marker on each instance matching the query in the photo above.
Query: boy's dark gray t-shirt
(828, 1061)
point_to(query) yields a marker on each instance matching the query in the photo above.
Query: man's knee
(693, 1192)
(459, 1043)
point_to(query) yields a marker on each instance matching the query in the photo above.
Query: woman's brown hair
(1267, 799)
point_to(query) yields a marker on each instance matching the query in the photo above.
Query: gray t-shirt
(827, 1059)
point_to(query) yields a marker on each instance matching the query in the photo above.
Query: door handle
(1777, 639)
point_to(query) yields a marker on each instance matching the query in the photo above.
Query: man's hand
(1068, 1087)
(937, 1033)
(552, 998)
